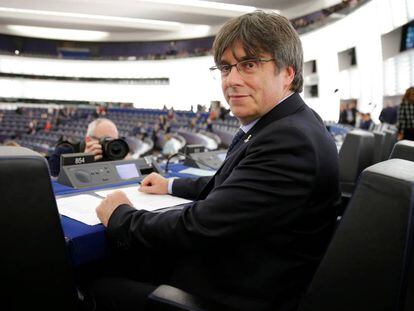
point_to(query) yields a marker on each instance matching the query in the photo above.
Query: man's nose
(234, 77)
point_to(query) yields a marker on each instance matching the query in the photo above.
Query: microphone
(187, 157)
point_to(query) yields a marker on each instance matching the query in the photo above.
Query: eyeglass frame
(230, 66)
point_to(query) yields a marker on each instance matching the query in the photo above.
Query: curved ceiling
(135, 20)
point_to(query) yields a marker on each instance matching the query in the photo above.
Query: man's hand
(154, 183)
(109, 204)
(93, 146)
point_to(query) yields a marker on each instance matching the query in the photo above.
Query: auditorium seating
(368, 264)
(379, 138)
(130, 122)
(356, 154)
(389, 141)
(34, 267)
(404, 149)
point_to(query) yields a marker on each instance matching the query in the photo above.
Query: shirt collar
(247, 127)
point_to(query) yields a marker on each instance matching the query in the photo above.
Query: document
(197, 172)
(80, 207)
(149, 202)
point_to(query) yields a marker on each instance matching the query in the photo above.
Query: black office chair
(366, 265)
(355, 155)
(404, 149)
(379, 138)
(389, 141)
(34, 266)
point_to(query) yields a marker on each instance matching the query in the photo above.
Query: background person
(406, 116)
(366, 122)
(256, 231)
(97, 129)
(351, 113)
(389, 114)
(170, 147)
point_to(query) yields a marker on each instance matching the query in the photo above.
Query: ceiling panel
(122, 19)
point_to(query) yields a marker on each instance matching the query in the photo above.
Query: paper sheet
(80, 207)
(197, 172)
(149, 202)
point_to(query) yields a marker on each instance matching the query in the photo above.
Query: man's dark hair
(260, 33)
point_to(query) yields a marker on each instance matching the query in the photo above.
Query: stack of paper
(82, 207)
(149, 202)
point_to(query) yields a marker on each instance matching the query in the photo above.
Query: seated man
(256, 230)
(366, 122)
(97, 129)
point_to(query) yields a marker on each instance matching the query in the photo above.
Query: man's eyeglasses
(245, 67)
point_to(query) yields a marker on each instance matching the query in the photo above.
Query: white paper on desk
(197, 172)
(80, 207)
(149, 202)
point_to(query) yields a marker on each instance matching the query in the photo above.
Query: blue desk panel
(88, 243)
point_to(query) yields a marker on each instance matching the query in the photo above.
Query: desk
(88, 243)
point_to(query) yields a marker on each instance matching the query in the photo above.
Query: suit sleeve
(54, 159)
(267, 189)
(189, 188)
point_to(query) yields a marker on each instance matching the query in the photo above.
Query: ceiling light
(90, 18)
(57, 33)
(206, 5)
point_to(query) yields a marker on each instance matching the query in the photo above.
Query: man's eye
(225, 68)
(250, 65)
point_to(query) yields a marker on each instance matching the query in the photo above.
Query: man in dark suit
(257, 229)
(389, 114)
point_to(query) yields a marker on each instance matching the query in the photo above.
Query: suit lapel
(289, 106)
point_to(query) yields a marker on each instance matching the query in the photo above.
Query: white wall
(362, 30)
(191, 83)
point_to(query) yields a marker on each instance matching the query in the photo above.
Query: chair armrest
(169, 298)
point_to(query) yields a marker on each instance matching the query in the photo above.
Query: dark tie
(235, 140)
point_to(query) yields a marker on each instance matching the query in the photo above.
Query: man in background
(97, 129)
(256, 231)
(170, 147)
(389, 114)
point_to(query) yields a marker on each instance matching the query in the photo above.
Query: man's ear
(289, 75)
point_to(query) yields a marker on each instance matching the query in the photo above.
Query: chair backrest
(367, 262)
(379, 138)
(356, 154)
(404, 149)
(389, 142)
(34, 264)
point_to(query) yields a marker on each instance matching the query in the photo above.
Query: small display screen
(127, 171)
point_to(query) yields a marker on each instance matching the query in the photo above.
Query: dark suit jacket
(389, 115)
(257, 230)
(61, 148)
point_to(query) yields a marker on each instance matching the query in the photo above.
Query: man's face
(252, 96)
(105, 129)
